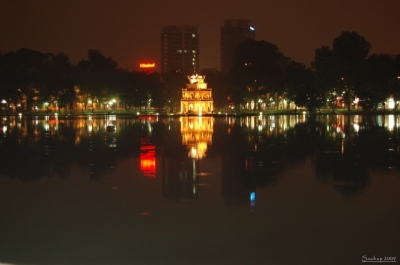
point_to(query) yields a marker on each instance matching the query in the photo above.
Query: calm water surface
(199, 190)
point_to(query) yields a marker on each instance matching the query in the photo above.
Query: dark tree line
(261, 75)
(349, 71)
(29, 79)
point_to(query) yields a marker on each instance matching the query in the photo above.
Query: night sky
(129, 31)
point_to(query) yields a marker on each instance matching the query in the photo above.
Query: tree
(338, 69)
(60, 77)
(378, 78)
(98, 76)
(127, 81)
(67, 98)
(301, 87)
(395, 89)
(154, 94)
(173, 82)
(350, 51)
(24, 76)
(219, 82)
(258, 69)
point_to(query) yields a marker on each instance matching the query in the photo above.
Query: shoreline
(130, 113)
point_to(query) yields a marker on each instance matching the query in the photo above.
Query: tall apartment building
(233, 32)
(180, 49)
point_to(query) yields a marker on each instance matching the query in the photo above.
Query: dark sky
(129, 30)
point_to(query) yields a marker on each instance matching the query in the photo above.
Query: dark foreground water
(199, 190)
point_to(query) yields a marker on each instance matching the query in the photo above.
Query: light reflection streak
(391, 122)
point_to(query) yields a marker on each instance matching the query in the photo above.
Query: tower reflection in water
(181, 161)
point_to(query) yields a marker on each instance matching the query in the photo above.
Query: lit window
(194, 35)
(194, 51)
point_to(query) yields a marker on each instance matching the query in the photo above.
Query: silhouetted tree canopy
(301, 87)
(338, 69)
(258, 69)
(261, 73)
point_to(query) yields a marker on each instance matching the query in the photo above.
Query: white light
(391, 104)
(391, 123)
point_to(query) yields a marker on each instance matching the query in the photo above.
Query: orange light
(147, 65)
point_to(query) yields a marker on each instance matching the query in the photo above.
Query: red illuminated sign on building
(147, 65)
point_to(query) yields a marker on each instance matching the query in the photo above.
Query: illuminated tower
(233, 33)
(197, 97)
(180, 49)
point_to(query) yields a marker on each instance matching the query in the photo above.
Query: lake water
(282, 189)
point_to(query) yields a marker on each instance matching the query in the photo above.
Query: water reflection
(147, 150)
(240, 190)
(196, 134)
(181, 169)
(258, 147)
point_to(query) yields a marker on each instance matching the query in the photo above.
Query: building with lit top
(233, 33)
(197, 97)
(180, 49)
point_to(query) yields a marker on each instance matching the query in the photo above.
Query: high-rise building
(180, 49)
(233, 33)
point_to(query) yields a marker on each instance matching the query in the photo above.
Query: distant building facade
(196, 96)
(233, 33)
(180, 49)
